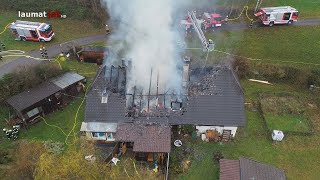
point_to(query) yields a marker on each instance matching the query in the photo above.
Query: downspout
(167, 166)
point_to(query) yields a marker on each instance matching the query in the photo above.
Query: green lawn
(282, 111)
(296, 45)
(287, 123)
(65, 30)
(296, 154)
(65, 119)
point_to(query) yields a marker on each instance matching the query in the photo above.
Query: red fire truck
(211, 20)
(32, 31)
(277, 15)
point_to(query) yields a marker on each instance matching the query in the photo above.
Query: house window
(98, 134)
(110, 136)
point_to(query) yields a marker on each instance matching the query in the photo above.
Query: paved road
(52, 51)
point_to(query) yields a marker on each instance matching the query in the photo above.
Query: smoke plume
(144, 31)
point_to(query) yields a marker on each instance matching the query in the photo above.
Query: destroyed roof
(248, 169)
(218, 100)
(146, 138)
(112, 110)
(221, 104)
(29, 97)
(93, 49)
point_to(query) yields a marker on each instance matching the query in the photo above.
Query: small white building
(99, 130)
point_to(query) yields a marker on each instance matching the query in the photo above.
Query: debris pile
(205, 85)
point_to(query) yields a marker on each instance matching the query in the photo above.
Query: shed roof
(93, 49)
(27, 98)
(229, 169)
(250, 169)
(67, 79)
(146, 138)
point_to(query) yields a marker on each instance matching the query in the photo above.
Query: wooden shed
(45, 98)
(92, 54)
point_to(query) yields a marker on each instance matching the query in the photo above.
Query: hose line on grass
(75, 118)
(245, 8)
(5, 28)
(53, 125)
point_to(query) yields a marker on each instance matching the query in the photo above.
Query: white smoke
(145, 30)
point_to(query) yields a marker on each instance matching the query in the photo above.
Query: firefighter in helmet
(107, 28)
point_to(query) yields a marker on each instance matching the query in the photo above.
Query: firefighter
(251, 23)
(41, 51)
(107, 29)
(226, 20)
(45, 52)
(3, 45)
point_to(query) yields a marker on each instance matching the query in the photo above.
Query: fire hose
(5, 28)
(245, 8)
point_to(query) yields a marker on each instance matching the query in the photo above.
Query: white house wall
(202, 129)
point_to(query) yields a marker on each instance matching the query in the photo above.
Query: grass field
(295, 45)
(296, 154)
(65, 29)
(287, 123)
(285, 112)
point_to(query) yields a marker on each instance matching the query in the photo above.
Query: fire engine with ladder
(277, 15)
(208, 45)
(32, 31)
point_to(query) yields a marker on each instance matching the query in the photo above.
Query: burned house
(45, 98)
(212, 100)
(92, 54)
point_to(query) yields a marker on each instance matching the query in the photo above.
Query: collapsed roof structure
(211, 96)
(214, 97)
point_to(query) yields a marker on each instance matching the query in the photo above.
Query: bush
(54, 147)
(4, 157)
(242, 67)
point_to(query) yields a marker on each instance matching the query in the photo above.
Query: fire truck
(211, 20)
(32, 31)
(277, 15)
(206, 21)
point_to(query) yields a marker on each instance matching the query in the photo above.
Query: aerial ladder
(208, 45)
